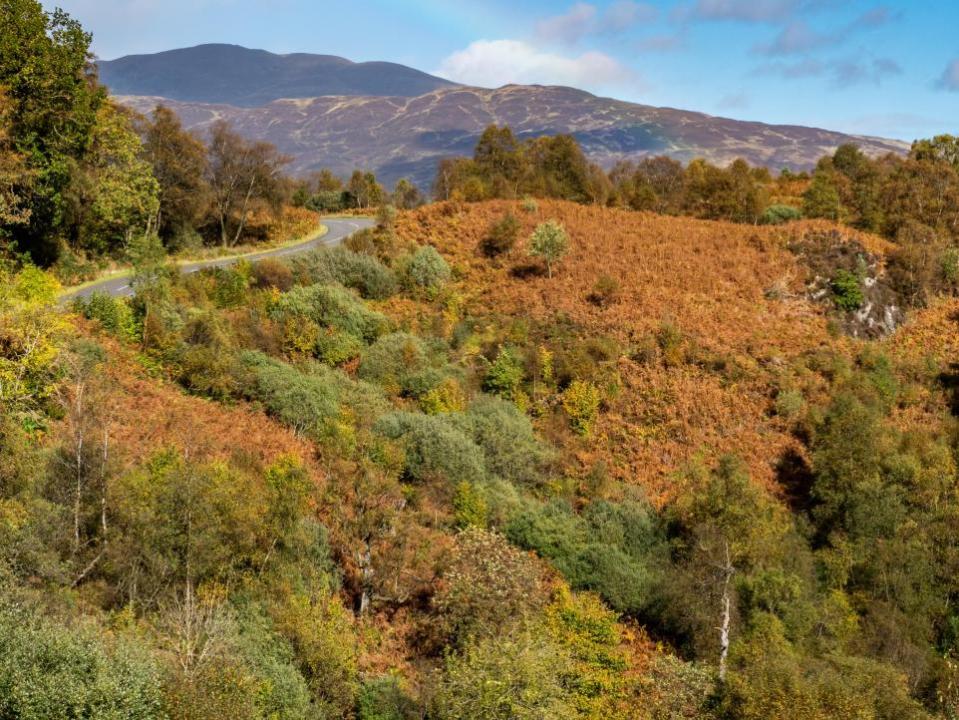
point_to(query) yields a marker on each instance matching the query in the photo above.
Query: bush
(505, 374)
(434, 447)
(501, 236)
(509, 677)
(114, 314)
(780, 214)
(506, 437)
(581, 402)
(305, 403)
(363, 273)
(529, 205)
(847, 291)
(393, 360)
(426, 269)
(488, 587)
(331, 306)
(549, 242)
(272, 273)
(612, 549)
(383, 698)
(53, 671)
(605, 292)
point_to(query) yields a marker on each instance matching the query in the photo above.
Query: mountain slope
(238, 76)
(403, 136)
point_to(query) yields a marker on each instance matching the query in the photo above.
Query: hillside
(239, 76)
(399, 123)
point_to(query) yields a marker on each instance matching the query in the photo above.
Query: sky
(887, 68)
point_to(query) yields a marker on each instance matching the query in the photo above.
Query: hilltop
(398, 122)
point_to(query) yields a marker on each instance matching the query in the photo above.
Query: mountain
(247, 78)
(329, 112)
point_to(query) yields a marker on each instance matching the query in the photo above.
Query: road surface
(337, 230)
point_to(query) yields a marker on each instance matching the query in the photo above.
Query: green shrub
(426, 269)
(363, 273)
(612, 549)
(470, 507)
(789, 403)
(434, 447)
(335, 347)
(53, 671)
(229, 285)
(505, 374)
(505, 435)
(780, 214)
(847, 291)
(304, 402)
(508, 677)
(501, 236)
(331, 306)
(393, 359)
(529, 205)
(383, 698)
(114, 314)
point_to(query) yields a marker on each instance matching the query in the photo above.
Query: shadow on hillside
(950, 381)
(527, 270)
(795, 477)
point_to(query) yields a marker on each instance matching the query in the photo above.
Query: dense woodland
(559, 446)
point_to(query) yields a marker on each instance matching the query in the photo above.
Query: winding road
(338, 229)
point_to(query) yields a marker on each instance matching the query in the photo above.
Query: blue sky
(883, 68)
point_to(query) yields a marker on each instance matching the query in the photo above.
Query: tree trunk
(726, 616)
(366, 576)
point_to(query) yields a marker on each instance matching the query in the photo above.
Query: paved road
(337, 230)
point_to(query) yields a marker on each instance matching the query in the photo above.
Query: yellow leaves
(29, 332)
(581, 402)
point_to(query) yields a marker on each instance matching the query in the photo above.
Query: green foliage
(549, 242)
(506, 677)
(505, 374)
(611, 549)
(821, 200)
(305, 403)
(847, 291)
(49, 671)
(114, 314)
(779, 215)
(434, 447)
(506, 437)
(45, 64)
(363, 273)
(330, 306)
(30, 330)
(394, 360)
(425, 269)
(469, 507)
(383, 698)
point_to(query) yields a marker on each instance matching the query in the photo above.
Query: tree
(239, 173)
(15, 176)
(48, 71)
(113, 193)
(365, 190)
(821, 199)
(180, 165)
(406, 195)
(499, 157)
(549, 242)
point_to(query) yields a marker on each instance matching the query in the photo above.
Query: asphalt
(338, 229)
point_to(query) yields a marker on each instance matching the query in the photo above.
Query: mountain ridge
(405, 134)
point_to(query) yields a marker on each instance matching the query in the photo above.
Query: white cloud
(493, 63)
(583, 20)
